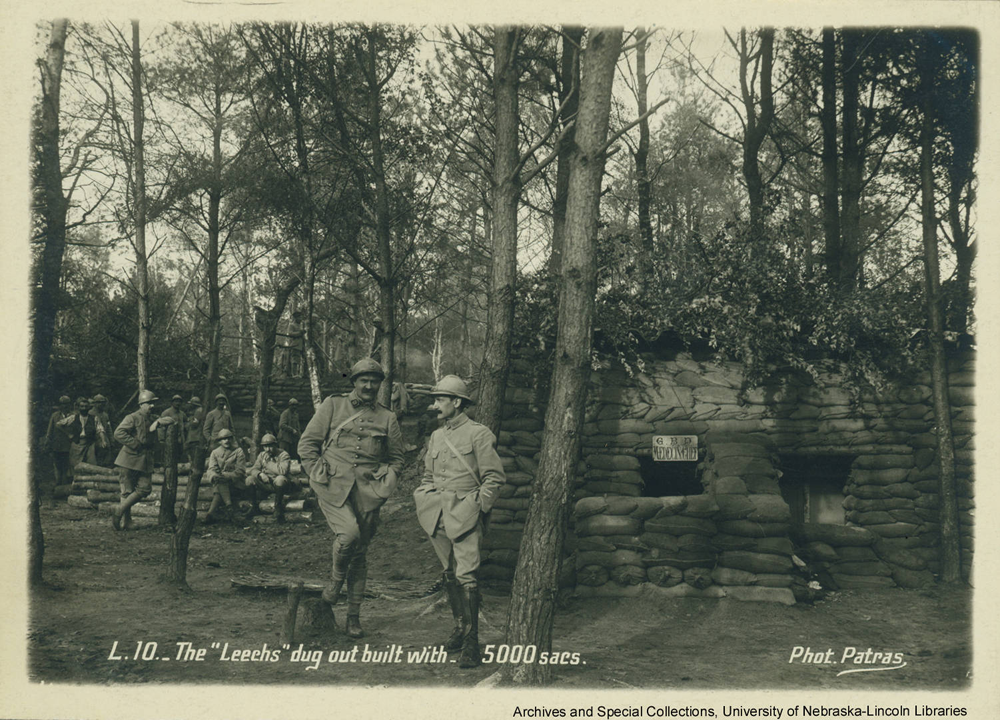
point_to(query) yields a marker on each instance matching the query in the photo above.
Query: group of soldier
(352, 450)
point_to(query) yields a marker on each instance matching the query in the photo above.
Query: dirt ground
(105, 587)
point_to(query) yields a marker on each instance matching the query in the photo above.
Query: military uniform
(270, 474)
(98, 432)
(58, 439)
(225, 465)
(362, 461)
(135, 459)
(194, 441)
(216, 419)
(451, 502)
(289, 431)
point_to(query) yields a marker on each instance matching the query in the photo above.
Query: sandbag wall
(891, 491)
(731, 544)
(96, 488)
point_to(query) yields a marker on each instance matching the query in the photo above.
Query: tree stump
(315, 620)
(294, 596)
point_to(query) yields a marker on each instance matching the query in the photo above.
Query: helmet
(223, 434)
(220, 396)
(454, 386)
(147, 396)
(176, 397)
(195, 400)
(365, 367)
(292, 401)
(64, 400)
(268, 439)
(98, 398)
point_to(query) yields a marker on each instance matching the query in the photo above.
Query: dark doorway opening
(813, 486)
(669, 478)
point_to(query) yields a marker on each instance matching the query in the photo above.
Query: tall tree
(643, 184)
(533, 597)
(853, 157)
(758, 63)
(505, 196)
(50, 205)
(831, 177)
(139, 204)
(569, 83)
(928, 68)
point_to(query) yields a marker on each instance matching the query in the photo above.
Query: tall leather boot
(457, 604)
(341, 561)
(357, 576)
(470, 657)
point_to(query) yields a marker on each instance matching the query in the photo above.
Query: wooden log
(297, 505)
(294, 596)
(87, 468)
(62, 491)
(79, 501)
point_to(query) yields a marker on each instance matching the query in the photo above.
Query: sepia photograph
(382, 363)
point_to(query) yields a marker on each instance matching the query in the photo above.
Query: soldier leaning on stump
(352, 450)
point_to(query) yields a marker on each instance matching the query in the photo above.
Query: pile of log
(96, 488)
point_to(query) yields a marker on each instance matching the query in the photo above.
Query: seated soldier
(270, 474)
(226, 465)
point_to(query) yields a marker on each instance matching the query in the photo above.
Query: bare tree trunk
(757, 126)
(569, 98)
(950, 542)
(506, 193)
(181, 537)
(383, 231)
(266, 325)
(141, 270)
(831, 181)
(308, 346)
(853, 160)
(212, 266)
(50, 206)
(642, 156)
(168, 496)
(533, 597)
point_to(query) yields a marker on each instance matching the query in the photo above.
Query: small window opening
(669, 478)
(813, 486)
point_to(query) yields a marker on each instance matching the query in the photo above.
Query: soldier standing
(352, 450)
(77, 431)
(98, 432)
(289, 428)
(135, 459)
(58, 440)
(179, 417)
(462, 478)
(218, 418)
(270, 474)
(194, 443)
(226, 465)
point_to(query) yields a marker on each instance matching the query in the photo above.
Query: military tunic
(216, 420)
(289, 430)
(135, 459)
(225, 465)
(367, 453)
(450, 501)
(267, 469)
